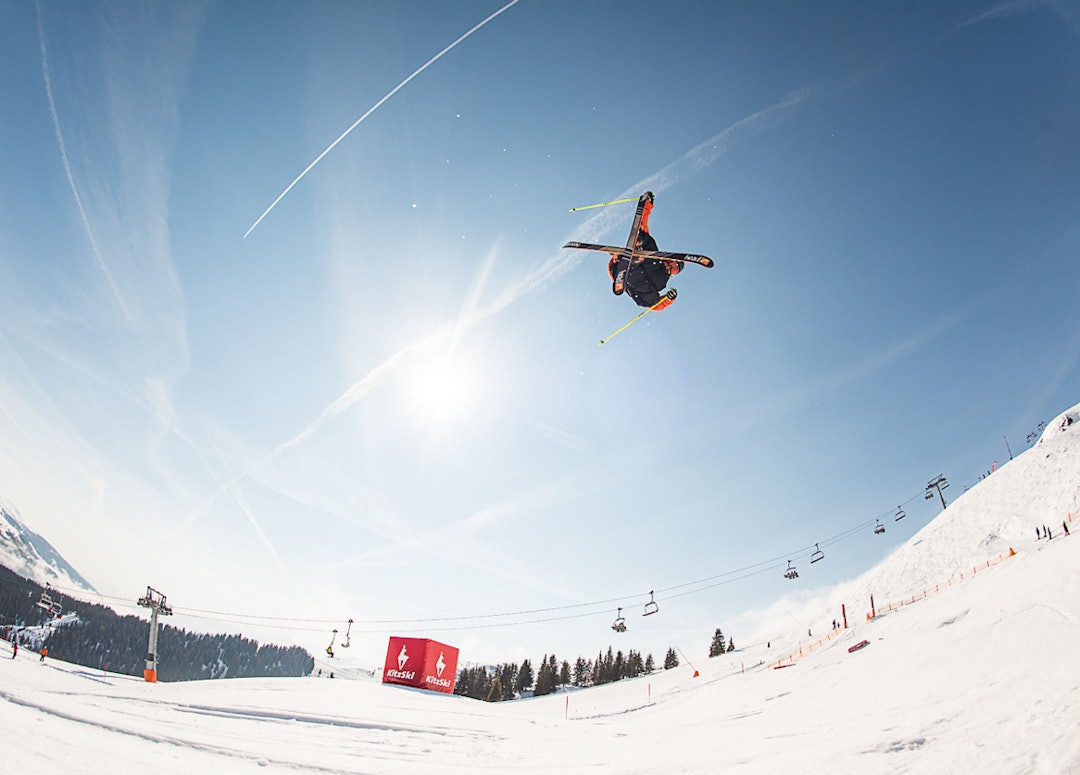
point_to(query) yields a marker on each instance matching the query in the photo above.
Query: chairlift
(899, 514)
(619, 625)
(330, 648)
(817, 555)
(54, 607)
(791, 573)
(879, 528)
(651, 607)
(346, 642)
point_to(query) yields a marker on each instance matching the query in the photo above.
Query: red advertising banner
(422, 663)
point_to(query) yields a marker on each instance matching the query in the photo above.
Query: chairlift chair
(345, 643)
(651, 607)
(899, 514)
(791, 573)
(330, 648)
(45, 602)
(619, 625)
(54, 607)
(817, 554)
(879, 528)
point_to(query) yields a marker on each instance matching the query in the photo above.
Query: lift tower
(155, 601)
(937, 483)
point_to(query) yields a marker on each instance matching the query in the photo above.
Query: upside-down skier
(640, 269)
(646, 277)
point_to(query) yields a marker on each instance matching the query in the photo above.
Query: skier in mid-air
(646, 277)
(640, 268)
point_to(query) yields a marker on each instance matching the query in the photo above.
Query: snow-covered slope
(979, 676)
(1039, 488)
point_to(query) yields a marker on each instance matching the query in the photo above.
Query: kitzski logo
(401, 672)
(437, 679)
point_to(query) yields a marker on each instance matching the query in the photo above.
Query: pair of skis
(630, 256)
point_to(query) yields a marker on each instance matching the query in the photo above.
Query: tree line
(508, 681)
(103, 640)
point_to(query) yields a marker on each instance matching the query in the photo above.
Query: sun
(444, 389)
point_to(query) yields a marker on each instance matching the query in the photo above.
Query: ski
(639, 255)
(618, 281)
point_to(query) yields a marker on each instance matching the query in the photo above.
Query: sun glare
(444, 390)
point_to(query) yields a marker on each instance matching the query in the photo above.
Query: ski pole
(635, 319)
(604, 204)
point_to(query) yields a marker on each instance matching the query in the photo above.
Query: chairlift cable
(474, 621)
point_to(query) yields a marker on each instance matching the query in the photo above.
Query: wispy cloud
(880, 358)
(1067, 10)
(83, 218)
(559, 436)
(457, 542)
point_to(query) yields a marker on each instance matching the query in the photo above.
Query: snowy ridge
(31, 556)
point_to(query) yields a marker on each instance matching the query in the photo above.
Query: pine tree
(717, 646)
(564, 674)
(545, 679)
(582, 672)
(650, 665)
(524, 677)
(634, 664)
(607, 668)
(508, 676)
(495, 694)
(731, 645)
(671, 660)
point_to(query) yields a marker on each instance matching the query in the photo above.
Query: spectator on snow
(14, 649)
(44, 653)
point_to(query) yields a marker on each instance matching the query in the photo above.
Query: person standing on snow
(647, 278)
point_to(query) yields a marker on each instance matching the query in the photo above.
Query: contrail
(375, 107)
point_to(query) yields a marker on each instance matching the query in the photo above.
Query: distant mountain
(28, 554)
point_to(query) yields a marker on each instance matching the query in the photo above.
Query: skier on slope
(648, 277)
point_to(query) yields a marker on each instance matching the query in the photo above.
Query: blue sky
(387, 403)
